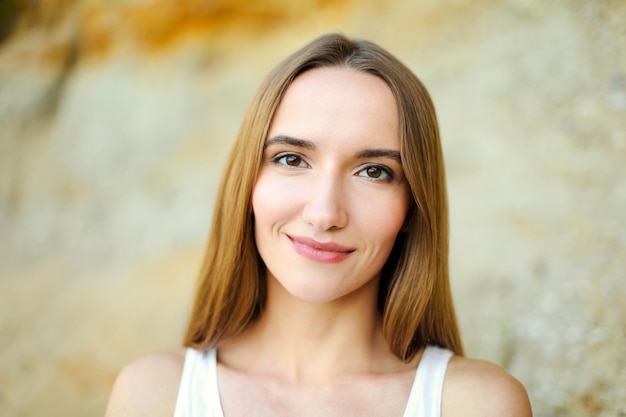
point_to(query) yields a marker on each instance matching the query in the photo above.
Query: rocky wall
(115, 119)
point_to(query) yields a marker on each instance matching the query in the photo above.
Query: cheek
(384, 218)
(261, 202)
(390, 228)
(271, 201)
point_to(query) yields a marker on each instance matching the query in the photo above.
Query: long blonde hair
(414, 298)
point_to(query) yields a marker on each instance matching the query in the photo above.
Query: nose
(324, 208)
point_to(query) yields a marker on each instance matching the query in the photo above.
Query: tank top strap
(198, 393)
(425, 397)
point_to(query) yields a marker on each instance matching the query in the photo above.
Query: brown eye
(290, 160)
(374, 172)
(293, 160)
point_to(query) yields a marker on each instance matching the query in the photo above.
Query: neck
(302, 340)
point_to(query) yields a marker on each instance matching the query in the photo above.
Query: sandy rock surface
(114, 125)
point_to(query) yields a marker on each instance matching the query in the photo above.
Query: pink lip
(318, 251)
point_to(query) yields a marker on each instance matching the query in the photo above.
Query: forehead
(339, 103)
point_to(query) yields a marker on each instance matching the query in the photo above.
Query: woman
(325, 290)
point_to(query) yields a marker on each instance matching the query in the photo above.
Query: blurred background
(116, 116)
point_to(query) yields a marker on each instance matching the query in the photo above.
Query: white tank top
(198, 394)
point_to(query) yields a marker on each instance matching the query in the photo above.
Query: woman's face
(331, 194)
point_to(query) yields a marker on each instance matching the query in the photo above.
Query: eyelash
(384, 171)
(280, 159)
(277, 160)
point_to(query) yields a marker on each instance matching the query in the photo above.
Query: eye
(376, 172)
(290, 160)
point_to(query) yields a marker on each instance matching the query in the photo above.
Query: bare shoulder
(148, 386)
(480, 388)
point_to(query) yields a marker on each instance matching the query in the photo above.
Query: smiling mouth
(320, 252)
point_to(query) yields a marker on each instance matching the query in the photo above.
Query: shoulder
(481, 388)
(148, 386)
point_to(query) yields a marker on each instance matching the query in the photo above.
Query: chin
(312, 294)
(314, 290)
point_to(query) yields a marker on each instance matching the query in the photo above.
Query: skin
(331, 176)
(329, 201)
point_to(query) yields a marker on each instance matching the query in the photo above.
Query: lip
(313, 250)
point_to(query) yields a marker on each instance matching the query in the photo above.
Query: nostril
(325, 208)
(324, 216)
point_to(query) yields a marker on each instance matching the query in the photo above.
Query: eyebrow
(377, 153)
(307, 144)
(288, 140)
